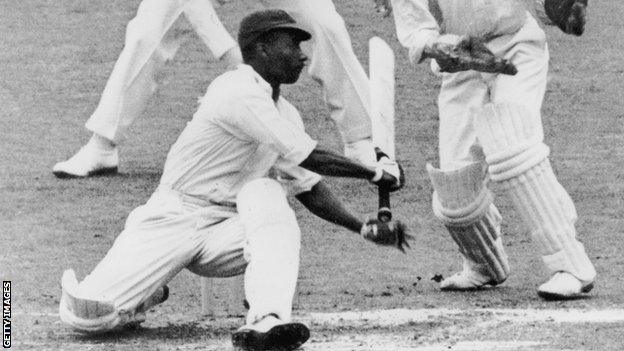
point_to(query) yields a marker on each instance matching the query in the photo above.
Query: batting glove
(391, 233)
(389, 174)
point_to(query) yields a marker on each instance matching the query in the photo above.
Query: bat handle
(384, 214)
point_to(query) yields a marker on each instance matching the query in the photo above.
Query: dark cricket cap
(260, 22)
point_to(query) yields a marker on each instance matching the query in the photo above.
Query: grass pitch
(56, 57)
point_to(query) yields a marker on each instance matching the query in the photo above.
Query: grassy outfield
(55, 57)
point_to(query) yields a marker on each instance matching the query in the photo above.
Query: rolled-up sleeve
(256, 118)
(415, 26)
(295, 179)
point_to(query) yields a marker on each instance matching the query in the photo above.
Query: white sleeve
(295, 179)
(257, 118)
(415, 25)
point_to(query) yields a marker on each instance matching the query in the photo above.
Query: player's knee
(262, 195)
(264, 211)
(512, 139)
(460, 196)
(263, 201)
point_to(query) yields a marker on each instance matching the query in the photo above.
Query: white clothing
(497, 118)
(151, 41)
(236, 135)
(191, 220)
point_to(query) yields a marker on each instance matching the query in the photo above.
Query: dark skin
(279, 60)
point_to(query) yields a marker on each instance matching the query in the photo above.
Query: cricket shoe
(88, 161)
(468, 279)
(270, 333)
(564, 286)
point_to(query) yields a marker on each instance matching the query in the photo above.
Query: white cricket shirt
(238, 134)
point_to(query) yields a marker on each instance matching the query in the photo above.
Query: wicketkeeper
(221, 209)
(492, 57)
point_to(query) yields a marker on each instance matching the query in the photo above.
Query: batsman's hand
(384, 7)
(568, 15)
(389, 175)
(392, 233)
(455, 54)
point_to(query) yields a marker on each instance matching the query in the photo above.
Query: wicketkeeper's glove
(455, 54)
(568, 15)
(391, 233)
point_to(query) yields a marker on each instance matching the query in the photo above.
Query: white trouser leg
(518, 159)
(510, 131)
(273, 238)
(334, 64)
(206, 23)
(161, 238)
(151, 40)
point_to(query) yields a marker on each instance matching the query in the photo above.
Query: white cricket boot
(91, 160)
(470, 278)
(270, 333)
(563, 286)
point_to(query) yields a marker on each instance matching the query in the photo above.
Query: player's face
(287, 59)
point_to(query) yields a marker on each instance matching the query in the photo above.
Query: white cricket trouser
(173, 231)
(463, 94)
(497, 118)
(151, 41)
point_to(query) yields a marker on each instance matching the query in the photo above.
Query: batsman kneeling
(221, 209)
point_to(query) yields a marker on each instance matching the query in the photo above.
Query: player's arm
(259, 120)
(322, 202)
(332, 164)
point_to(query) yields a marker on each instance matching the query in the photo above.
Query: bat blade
(381, 66)
(381, 71)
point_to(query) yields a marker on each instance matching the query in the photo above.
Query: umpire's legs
(151, 40)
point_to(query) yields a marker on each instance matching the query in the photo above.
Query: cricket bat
(381, 72)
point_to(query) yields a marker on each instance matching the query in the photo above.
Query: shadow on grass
(184, 332)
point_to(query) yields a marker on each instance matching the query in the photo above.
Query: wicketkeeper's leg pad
(88, 315)
(518, 160)
(273, 243)
(464, 204)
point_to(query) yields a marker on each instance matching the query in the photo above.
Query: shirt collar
(261, 82)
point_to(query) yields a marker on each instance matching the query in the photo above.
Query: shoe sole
(548, 296)
(99, 172)
(486, 286)
(283, 337)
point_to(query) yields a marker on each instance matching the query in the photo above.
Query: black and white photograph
(312, 175)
